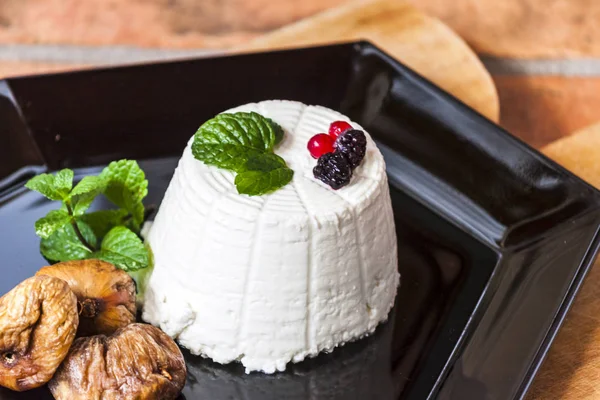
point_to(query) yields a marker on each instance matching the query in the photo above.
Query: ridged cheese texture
(271, 279)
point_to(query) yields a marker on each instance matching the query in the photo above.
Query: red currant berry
(320, 144)
(337, 128)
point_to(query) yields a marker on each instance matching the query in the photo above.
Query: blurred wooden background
(536, 103)
(543, 56)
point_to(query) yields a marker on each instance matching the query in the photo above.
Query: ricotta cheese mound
(267, 280)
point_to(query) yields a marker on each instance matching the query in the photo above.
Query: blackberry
(353, 145)
(333, 169)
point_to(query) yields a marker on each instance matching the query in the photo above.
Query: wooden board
(421, 42)
(572, 367)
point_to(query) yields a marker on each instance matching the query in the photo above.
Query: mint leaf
(226, 156)
(89, 184)
(243, 143)
(124, 249)
(63, 180)
(263, 174)
(51, 186)
(84, 193)
(103, 221)
(126, 186)
(56, 219)
(256, 183)
(278, 130)
(240, 129)
(142, 276)
(64, 245)
(228, 140)
(263, 162)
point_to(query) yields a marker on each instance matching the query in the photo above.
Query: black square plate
(494, 238)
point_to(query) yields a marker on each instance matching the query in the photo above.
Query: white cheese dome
(271, 279)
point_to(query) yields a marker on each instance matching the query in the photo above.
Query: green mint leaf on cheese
(54, 187)
(126, 186)
(243, 143)
(227, 140)
(64, 245)
(263, 162)
(240, 129)
(278, 130)
(124, 249)
(226, 156)
(84, 193)
(257, 183)
(262, 175)
(56, 219)
(104, 220)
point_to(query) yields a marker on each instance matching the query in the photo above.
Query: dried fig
(38, 322)
(105, 294)
(137, 362)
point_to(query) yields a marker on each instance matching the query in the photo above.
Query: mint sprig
(103, 221)
(54, 187)
(70, 233)
(65, 244)
(84, 193)
(243, 143)
(124, 248)
(126, 187)
(53, 221)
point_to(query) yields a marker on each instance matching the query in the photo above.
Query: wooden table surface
(543, 57)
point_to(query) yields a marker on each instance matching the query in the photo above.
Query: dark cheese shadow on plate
(494, 239)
